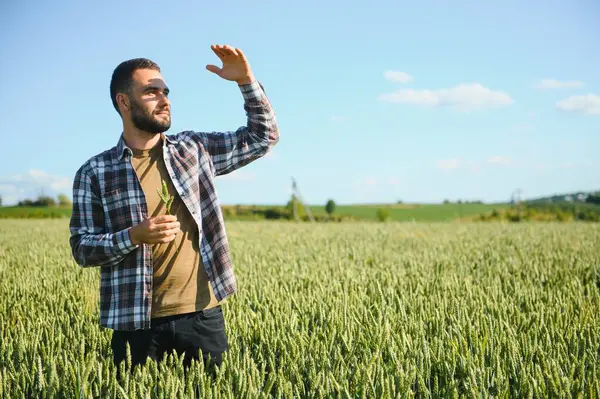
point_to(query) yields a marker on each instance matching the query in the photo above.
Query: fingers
(228, 50)
(240, 54)
(218, 49)
(168, 226)
(163, 229)
(164, 219)
(214, 69)
(165, 235)
(224, 50)
(159, 227)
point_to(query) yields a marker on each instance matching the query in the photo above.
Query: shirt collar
(122, 147)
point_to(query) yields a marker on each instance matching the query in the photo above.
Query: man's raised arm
(233, 149)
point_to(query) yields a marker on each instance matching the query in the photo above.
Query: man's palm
(235, 65)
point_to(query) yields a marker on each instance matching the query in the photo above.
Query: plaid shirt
(108, 200)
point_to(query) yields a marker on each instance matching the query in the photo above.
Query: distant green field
(400, 212)
(417, 212)
(34, 212)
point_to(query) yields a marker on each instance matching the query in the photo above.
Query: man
(165, 270)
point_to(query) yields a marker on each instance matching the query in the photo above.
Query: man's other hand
(158, 229)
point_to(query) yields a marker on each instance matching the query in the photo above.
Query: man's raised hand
(235, 65)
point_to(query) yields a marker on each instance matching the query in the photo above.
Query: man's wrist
(132, 237)
(246, 81)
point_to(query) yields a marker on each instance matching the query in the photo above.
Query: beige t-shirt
(180, 283)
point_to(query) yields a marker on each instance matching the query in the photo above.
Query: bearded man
(164, 258)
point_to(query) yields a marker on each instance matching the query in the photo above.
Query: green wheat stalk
(165, 197)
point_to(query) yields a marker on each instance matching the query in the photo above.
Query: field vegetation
(331, 310)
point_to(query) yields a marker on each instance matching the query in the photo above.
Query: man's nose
(164, 100)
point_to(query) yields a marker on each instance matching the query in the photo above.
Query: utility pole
(517, 199)
(296, 196)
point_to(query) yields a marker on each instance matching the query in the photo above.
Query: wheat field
(352, 310)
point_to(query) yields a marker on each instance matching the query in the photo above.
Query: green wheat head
(165, 197)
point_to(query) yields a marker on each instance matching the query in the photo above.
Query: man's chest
(128, 188)
(151, 174)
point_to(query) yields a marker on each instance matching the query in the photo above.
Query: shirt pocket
(118, 209)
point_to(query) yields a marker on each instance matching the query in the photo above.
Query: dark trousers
(201, 332)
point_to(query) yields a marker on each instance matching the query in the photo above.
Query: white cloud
(557, 84)
(446, 164)
(394, 181)
(56, 183)
(499, 160)
(586, 104)
(365, 184)
(464, 97)
(37, 174)
(32, 184)
(474, 166)
(397, 76)
(370, 181)
(11, 194)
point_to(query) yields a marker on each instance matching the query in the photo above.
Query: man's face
(150, 107)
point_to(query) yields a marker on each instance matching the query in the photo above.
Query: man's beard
(146, 122)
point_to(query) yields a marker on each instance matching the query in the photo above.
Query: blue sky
(376, 102)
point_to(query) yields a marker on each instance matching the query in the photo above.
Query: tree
(63, 200)
(330, 207)
(44, 200)
(594, 198)
(383, 214)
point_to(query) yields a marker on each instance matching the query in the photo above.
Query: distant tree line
(593, 198)
(562, 212)
(46, 201)
(285, 212)
(447, 201)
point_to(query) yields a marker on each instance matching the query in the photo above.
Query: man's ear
(123, 101)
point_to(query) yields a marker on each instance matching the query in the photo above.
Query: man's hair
(122, 76)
